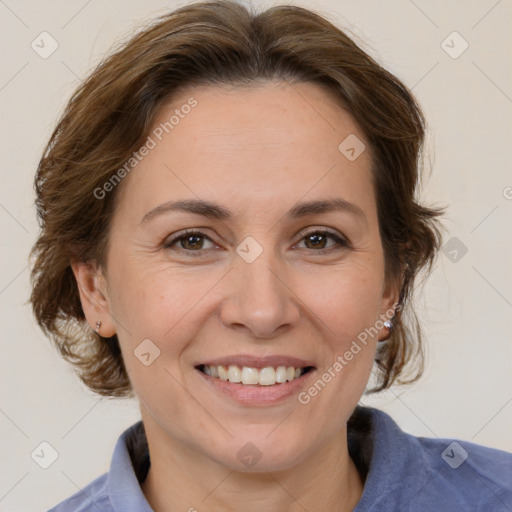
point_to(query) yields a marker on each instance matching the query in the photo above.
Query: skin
(257, 151)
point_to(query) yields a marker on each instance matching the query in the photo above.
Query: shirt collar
(398, 467)
(391, 453)
(128, 469)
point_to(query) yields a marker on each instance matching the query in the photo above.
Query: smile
(250, 376)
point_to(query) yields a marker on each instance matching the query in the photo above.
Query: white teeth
(223, 373)
(267, 376)
(234, 374)
(281, 374)
(250, 375)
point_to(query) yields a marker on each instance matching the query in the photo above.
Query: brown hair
(219, 43)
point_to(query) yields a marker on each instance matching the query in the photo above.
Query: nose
(260, 298)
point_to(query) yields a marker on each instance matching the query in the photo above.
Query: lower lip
(255, 395)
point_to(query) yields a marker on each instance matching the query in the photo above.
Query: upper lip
(258, 362)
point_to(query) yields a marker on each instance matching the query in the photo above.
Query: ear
(93, 296)
(389, 304)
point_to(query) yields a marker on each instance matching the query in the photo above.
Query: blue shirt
(401, 472)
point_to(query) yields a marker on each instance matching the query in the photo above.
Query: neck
(182, 480)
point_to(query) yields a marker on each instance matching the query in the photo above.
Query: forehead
(270, 144)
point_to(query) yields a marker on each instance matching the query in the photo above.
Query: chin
(262, 454)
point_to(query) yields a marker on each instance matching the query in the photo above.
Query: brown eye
(317, 240)
(193, 242)
(190, 241)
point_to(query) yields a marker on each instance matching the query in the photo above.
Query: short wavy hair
(220, 43)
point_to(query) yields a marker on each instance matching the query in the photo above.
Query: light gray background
(465, 307)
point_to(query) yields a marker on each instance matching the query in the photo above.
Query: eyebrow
(215, 211)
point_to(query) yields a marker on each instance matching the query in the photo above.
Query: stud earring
(388, 324)
(98, 326)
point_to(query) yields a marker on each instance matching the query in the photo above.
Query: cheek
(347, 300)
(150, 301)
(158, 312)
(347, 308)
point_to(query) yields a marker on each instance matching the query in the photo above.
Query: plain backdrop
(465, 307)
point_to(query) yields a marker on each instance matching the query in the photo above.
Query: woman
(229, 204)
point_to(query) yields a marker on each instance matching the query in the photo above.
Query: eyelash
(340, 242)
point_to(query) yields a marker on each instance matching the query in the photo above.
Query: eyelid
(324, 231)
(341, 240)
(172, 239)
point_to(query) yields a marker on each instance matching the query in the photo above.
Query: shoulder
(119, 489)
(476, 475)
(418, 473)
(91, 498)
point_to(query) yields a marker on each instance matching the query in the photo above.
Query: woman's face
(258, 284)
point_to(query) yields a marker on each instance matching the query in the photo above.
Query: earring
(388, 324)
(98, 326)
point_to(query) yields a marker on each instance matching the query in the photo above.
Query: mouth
(254, 381)
(253, 376)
